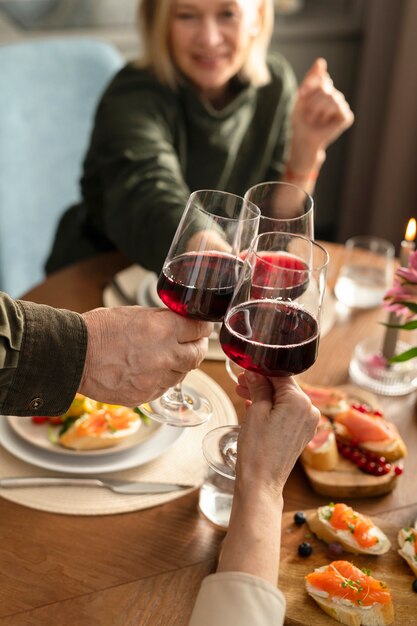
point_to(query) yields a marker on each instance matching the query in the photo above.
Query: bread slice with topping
(321, 452)
(407, 540)
(350, 595)
(370, 431)
(328, 400)
(355, 532)
(103, 428)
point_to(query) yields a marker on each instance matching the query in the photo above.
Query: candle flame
(410, 233)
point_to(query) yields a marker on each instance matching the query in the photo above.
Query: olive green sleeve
(283, 128)
(138, 154)
(42, 355)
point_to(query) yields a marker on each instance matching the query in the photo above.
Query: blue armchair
(49, 90)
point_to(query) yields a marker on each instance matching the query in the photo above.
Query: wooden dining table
(145, 567)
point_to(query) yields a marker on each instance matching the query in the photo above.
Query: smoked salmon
(366, 426)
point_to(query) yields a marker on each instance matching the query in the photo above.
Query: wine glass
(198, 279)
(272, 325)
(285, 208)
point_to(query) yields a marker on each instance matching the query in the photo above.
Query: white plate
(144, 452)
(37, 435)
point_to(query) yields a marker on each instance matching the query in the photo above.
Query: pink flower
(402, 300)
(404, 289)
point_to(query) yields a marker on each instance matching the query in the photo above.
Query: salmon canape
(370, 431)
(321, 452)
(407, 540)
(355, 532)
(328, 400)
(350, 595)
(104, 427)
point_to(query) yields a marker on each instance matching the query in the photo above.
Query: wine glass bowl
(284, 207)
(272, 326)
(198, 279)
(199, 285)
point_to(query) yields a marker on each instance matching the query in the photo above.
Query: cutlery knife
(118, 486)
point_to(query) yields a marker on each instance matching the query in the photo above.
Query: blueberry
(305, 549)
(415, 585)
(300, 518)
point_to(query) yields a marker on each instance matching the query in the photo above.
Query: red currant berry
(398, 470)
(370, 467)
(380, 470)
(362, 462)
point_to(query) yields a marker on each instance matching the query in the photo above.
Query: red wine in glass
(294, 280)
(270, 337)
(199, 284)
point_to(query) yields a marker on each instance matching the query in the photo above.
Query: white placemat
(182, 463)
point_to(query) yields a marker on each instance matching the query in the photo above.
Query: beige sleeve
(237, 598)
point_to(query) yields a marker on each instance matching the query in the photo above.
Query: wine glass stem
(173, 399)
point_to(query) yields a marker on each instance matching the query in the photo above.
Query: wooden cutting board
(390, 567)
(347, 481)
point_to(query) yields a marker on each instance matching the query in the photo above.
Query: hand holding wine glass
(198, 280)
(272, 326)
(276, 427)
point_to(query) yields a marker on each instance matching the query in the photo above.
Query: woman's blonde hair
(153, 22)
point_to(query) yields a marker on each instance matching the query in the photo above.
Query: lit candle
(407, 247)
(408, 244)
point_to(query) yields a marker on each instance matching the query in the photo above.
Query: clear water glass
(367, 273)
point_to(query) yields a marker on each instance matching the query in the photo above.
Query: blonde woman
(204, 107)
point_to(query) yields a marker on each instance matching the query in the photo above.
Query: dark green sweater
(151, 147)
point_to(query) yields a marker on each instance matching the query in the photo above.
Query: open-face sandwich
(90, 425)
(321, 452)
(328, 400)
(350, 595)
(355, 532)
(369, 430)
(407, 540)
